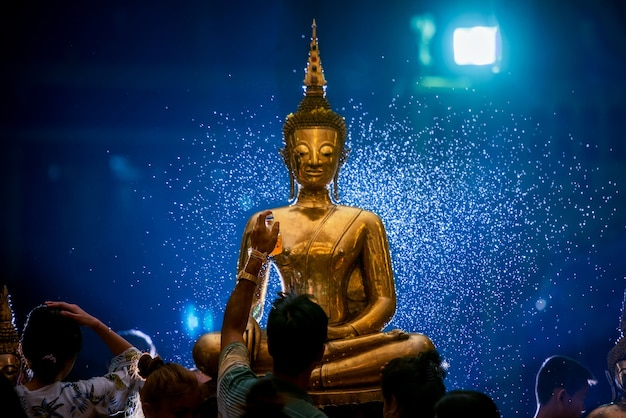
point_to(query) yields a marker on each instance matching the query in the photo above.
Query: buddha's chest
(319, 237)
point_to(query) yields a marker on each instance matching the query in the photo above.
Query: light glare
(475, 45)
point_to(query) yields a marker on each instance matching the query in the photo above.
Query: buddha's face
(315, 156)
(10, 366)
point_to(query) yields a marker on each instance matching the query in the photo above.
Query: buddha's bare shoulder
(343, 210)
(356, 209)
(609, 411)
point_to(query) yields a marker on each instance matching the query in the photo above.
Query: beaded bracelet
(254, 253)
(244, 275)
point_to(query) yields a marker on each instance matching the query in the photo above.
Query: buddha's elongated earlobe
(285, 154)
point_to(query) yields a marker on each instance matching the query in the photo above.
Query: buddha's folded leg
(362, 368)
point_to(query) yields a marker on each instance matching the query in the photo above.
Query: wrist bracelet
(254, 253)
(244, 275)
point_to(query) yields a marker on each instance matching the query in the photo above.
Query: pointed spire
(314, 81)
(9, 338)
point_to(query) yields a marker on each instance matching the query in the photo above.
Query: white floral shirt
(99, 396)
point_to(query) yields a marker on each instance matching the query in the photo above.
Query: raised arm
(262, 241)
(115, 342)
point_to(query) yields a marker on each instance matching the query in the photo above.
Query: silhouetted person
(466, 403)
(296, 332)
(51, 341)
(412, 385)
(170, 390)
(616, 375)
(561, 387)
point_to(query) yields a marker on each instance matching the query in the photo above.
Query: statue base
(365, 410)
(342, 397)
(358, 403)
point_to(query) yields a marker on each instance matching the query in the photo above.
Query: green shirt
(235, 378)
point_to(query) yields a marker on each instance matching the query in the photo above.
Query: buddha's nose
(315, 158)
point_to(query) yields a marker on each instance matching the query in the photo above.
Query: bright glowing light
(191, 319)
(192, 322)
(541, 304)
(208, 322)
(476, 45)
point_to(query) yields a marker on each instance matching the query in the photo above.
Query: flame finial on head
(314, 81)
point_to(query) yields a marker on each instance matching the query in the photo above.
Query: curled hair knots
(147, 365)
(435, 371)
(432, 366)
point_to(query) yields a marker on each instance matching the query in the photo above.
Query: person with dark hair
(561, 387)
(170, 390)
(296, 333)
(50, 344)
(466, 403)
(616, 375)
(411, 385)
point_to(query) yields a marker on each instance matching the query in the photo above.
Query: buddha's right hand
(398, 334)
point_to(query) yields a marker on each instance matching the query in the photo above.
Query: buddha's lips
(314, 172)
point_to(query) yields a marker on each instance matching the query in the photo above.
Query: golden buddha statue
(10, 363)
(338, 254)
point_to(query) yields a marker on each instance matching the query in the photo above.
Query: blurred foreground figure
(51, 342)
(561, 388)
(412, 385)
(616, 375)
(466, 403)
(170, 390)
(338, 254)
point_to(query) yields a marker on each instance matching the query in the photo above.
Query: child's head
(50, 343)
(170, 390)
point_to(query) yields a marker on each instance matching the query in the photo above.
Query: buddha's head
(10, 363)
(314, 136)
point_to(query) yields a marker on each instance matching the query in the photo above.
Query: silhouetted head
(412, 385)
(50, 343)
(466, 403)
(169, 389)
(561, 387)
(564, 373)
(297, 329)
